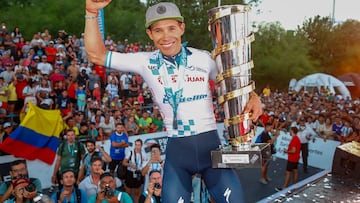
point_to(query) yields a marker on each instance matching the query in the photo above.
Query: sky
(291, 13)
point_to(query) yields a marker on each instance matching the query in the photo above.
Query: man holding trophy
(185, 104)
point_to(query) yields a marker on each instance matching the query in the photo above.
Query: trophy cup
(232, 39)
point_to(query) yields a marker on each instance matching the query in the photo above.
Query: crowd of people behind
(332, 117)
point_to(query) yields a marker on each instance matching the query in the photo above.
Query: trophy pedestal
(249, 156)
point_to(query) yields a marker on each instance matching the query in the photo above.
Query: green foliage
(279, 56)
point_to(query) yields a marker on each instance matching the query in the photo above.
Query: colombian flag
(37, 136)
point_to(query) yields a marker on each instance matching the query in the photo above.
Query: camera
(157, 185)
(31, 187)
(108, 192)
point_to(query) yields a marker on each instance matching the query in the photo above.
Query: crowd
(99, 104)
(332, 117)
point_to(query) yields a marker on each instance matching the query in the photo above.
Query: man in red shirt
(101, 72)
(293, 152)
(20, 83)
(50, 51)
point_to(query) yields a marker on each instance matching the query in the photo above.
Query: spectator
(80, 96)
(69, 155)
(145, 122)
(8, 74)
(50, 52)
(107, 126)
(69, 192)
(92, 180)
(18, 170)
(112, 89)
(63, 103)
(155, 163)
(3, 94)
(293, 152)
(107, 192)
(44, 67)
(153, 191)
(131, 127)
(119, 142)
(125, 81)
(30, 92)
(93, 79)
(134, 159)
(83, 79)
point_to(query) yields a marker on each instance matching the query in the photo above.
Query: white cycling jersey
(195, 108)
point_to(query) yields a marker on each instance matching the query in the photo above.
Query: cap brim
(178, 18)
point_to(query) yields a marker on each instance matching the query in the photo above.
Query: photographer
(107, 192)
(155, 163)
(69, 192)
(18, 171)
(133, 161)
(22, 191)
(153, 193)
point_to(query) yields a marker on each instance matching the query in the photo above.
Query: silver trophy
(232, 39)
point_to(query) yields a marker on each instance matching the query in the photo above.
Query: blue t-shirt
(118, 153)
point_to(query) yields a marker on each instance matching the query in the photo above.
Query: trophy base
(247, 156)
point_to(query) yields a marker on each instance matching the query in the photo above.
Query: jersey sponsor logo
(152, 67)
(194, 78)
(186, 99)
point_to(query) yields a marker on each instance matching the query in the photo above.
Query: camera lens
(157, 185)
(109, 192)
(31, 187)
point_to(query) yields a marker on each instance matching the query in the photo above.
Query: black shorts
(73, 100)
(290, 166)
(133, 182)
(114, 163)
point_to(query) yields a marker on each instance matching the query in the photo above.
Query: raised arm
(94, 45)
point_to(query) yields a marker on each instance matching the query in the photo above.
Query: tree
(279, 56)
(318, 32)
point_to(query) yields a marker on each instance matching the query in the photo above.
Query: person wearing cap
(44, 67)
(107, 184)
(166, 71)
(69, 193)
(8, 74)
(50, 52)
(18, 170)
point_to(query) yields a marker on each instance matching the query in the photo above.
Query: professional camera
(108, 192)
(31, 187)
(157, 185)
